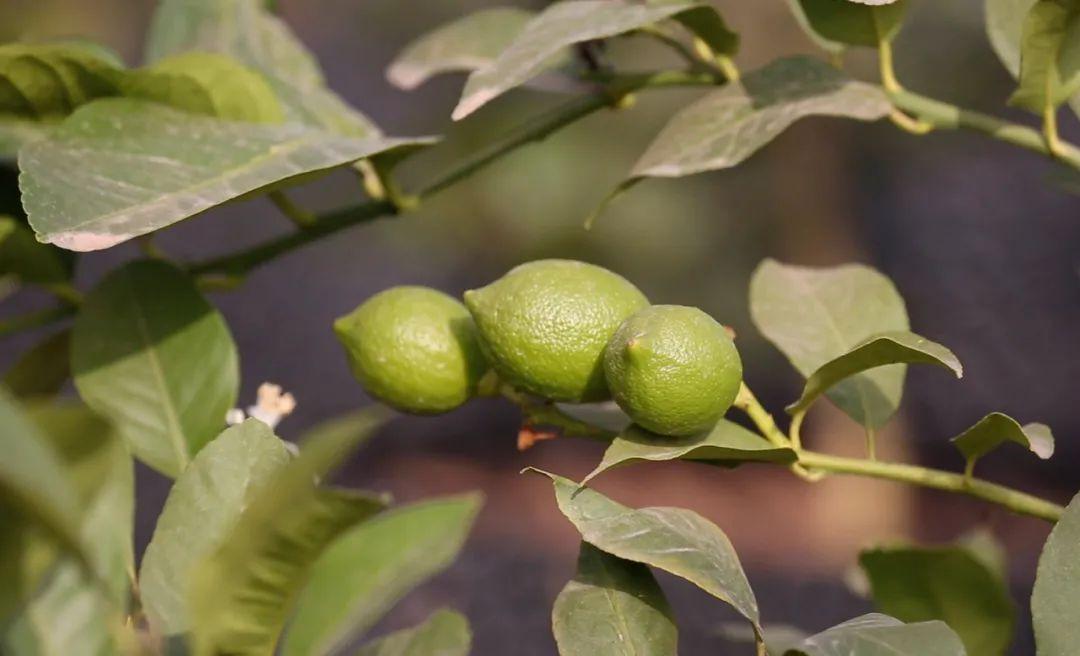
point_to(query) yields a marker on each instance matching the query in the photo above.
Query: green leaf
(831, 47)
(240, 595)
(605, 415)
(43, 370)
(853, 23)
(370, 568)
(119, 168)
(560, 25)
(881, 635)
(26, 258)
(1005, 28)
(206, 501)
(816, 315)
(1057, 587)
(900, 347)
(996, 428)
(445, 633)
(206, 83)
(246, 31)
(152, 355)
(951, 584)
(675, 540)
(725, 127)
(1049, 55)
(727, 443)
(612, 607)
(466, 44)
(706, 23)
(49, 80)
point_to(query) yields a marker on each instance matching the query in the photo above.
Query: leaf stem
(871, 444)
(298, 215)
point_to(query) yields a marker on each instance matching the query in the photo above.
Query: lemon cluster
(563, 330)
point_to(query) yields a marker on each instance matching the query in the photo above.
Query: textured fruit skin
(544, 326)
(673, 369)
(413, 348)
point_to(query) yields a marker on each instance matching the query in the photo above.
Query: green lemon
(413, 348)
(544, 326)
(673, 369)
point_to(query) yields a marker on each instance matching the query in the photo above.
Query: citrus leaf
(832, 47)
(26, 258)
(881, 635)
(204, 504)
(445, 633)
(43, 370)
(854, 23)
(48, 80)
(706, 23)
(560, 25)
(246, 31)
(119, 168)
(1005, 28)
(16, 132)
(1049, 55)
(611, 608)
(725, 127)
(996, 428)
(152, 355)
(1057, 587)
(606, 415)
(675, 540)
(900, 347)
(917, 584)
(816, 315)
(371, 567)
(466, 44)
(726, 443)
(240, 595)
(206, 83)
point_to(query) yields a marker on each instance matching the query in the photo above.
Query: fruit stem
(748, 403)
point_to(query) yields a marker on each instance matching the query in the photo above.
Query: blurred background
(981, 241)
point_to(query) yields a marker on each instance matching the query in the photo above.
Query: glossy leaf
(205, 503)
(816, 315)
(611, 608)
(675, 540)
(996, 428)
(725, 127)
(119, 168)
(466, 44)
(240, 596)
(1057, 587)
(727, 443)
(881, 635)
(248, 32)
(26, 258)
(951, 584)
(445, 633)
(560, 25)
(1049, 55)
(43, 370)
(152, 355)
(605, 415)
(206, 83)
(854, 23)
(371, 567)
(878, 351)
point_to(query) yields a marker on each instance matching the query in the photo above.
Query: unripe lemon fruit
(673, 369)
(413, 348)
(544, 326)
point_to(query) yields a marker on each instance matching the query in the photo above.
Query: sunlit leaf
(370, 568)
(43, 370)
(466, 44)
(951, 584)
(816, 315)
(445, 633)
(612, 607)
(675, 540)
(878, 351)
(727, 126)
(119, 168)
(881, 635)
(1049, 55)
(560, 25)
(1057, 587)
(204, 504)
(152, 355)
(996, 428)
(727, 443)
(854, 23)
(239, 597)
